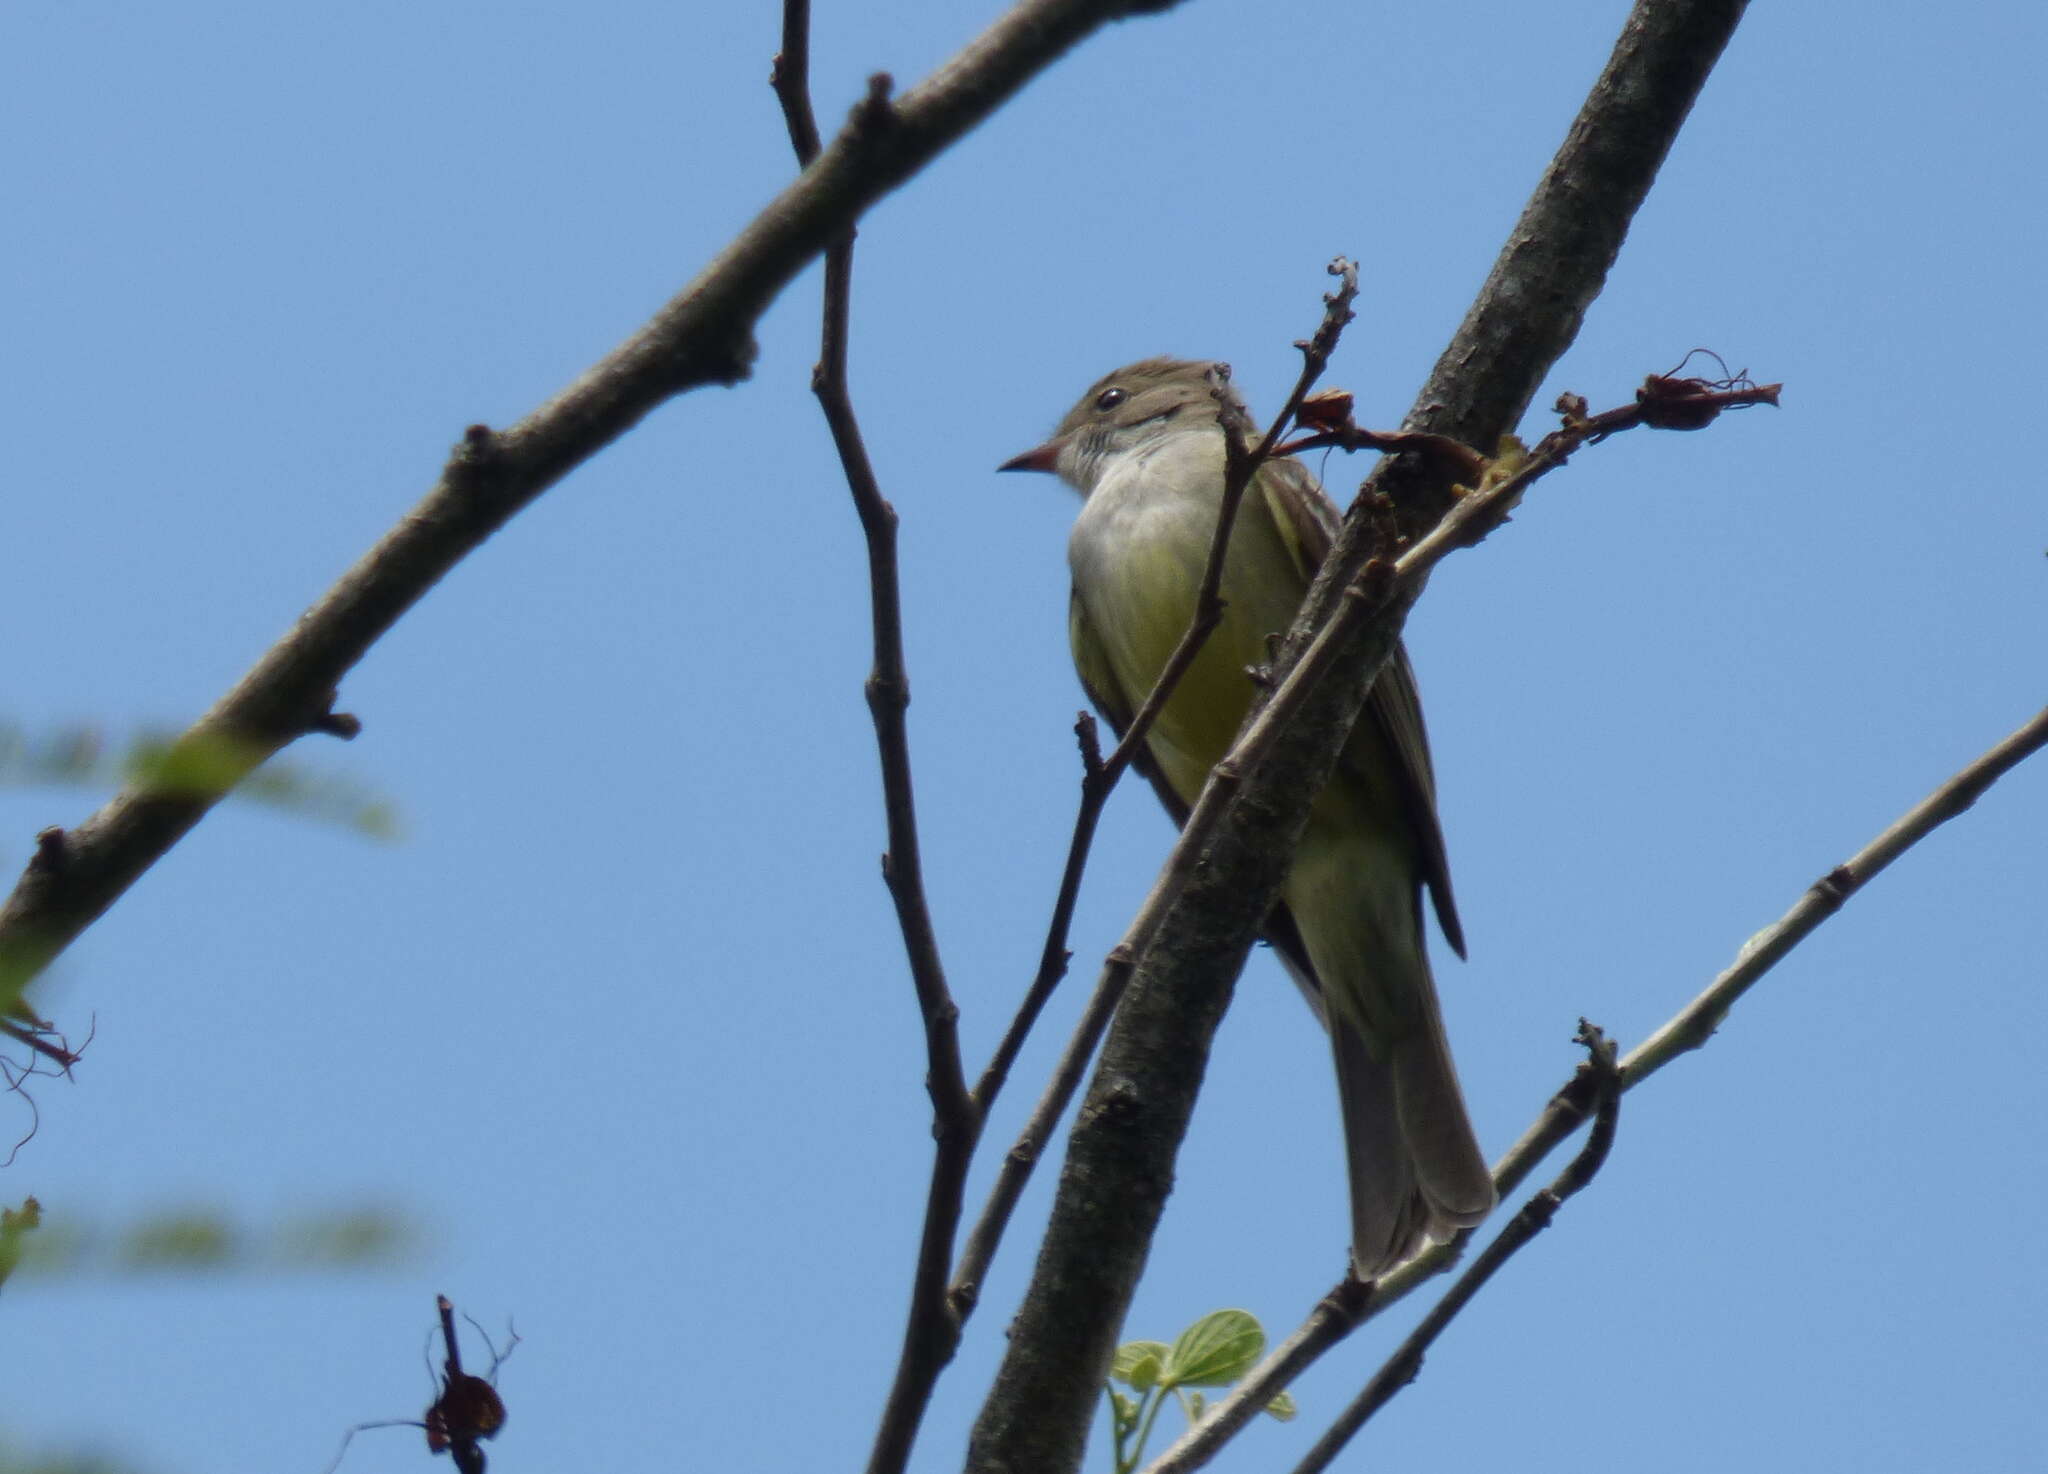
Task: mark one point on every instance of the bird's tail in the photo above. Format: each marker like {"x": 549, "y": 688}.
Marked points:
{"x": 1416, "y": 1172}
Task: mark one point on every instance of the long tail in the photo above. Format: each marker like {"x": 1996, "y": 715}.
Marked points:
{"x": 1416, "y": 1171}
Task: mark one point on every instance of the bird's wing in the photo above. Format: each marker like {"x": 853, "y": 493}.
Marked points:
{"x": 1118, "y": 707}
{"x": 1308, "y": 521}
{"x": 1107, "y": 696}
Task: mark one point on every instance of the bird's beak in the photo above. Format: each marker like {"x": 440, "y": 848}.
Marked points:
{"x": 1041, "y": 458}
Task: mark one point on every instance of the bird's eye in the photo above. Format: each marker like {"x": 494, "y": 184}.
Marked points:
{"x": 1110, "y": 398}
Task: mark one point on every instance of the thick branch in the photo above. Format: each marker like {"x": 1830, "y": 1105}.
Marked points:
{"x": 1121, "y": 1153}
{"x": 704, "y": 336}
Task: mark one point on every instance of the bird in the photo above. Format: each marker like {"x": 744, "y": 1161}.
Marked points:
{"x": 1145, "y": 448}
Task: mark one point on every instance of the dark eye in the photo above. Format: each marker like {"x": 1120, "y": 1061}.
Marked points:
{"x": 1110, "y": 398}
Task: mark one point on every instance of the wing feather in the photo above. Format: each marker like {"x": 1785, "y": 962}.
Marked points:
{"x": 1308, "y": 520}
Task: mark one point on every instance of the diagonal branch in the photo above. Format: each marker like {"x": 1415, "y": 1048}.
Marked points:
{"x": 1121, "y": 1153}
{"x": 1336, "y": 1316}
{"x": 1405, "y": 1364}
{"x": 1694, "y": 1024}
{"x": 703, "y": 336}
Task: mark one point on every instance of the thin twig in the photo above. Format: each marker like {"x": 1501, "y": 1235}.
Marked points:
{"x": 888, "y": 686}
{"x": 1024, "y": 1153}
{"x": 1097, "y": 782}
{"x": 1405, "y": 1364}
{"x": 931, "y": 1330}
{"x": 703, "y": 336}
{"x": 791, "y": 79}
{"x": 1691, "y": 1027}
{"x": 1694, "y": 1024}
{"x": 1352, "y": 1303}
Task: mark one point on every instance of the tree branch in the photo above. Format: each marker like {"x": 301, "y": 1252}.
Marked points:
{"x": 931, "y": 1332}
{"x": 1402, "y": 1368}
{"x": 1120, "y": 1157}
{"x": 703, "y": 336}
{"x": 1694, "y": 1024}
{"x": 1691, "y": 1027}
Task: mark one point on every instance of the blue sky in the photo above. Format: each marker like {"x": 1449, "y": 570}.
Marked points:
{"x": 621, "y": 1022}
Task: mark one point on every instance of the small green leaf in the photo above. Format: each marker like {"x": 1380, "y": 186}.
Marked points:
{"x": 1196, "y": 1402}
{"x": 182, "y": 1240}
{"x": 1282, "y": 1407}
{"x": 1123, "y": 1410}
{"x": 1215, "y": 1351}
{"x": 1137, "y": 1364}
{"x": 16, "y": 1224}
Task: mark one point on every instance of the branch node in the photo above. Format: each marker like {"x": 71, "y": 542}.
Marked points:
{"x": 1374, "y": 584}
{"x": 1090, "y": 739}
{"x": 52, "y": 850}
{"x": 475, "y": 459}
{"x": 1834, "y": 888}
{"x": 345, "y": 725}
{"x": 1350, "y": 1300}
{"x": 874, "y": 114}
{"x": 961, "y": 1300}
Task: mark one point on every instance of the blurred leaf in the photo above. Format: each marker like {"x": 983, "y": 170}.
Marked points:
{"x": 15, "y": 1225}
{"x": 13, "y": 1462}
{"x": 82, "y": 757}
{"x": 1215, "y": 1351}
{"x": 1282, "y": 1407}
{"x": 180, "y": 1241}
{"x": 201, "y": 1240}
{"x": 365, "y": 1237}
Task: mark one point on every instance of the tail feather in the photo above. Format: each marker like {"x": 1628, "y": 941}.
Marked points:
{"x": 1389, "y": 1214}
{"x": 1415, "y": 1169}
{"x": 1416, "y": 1172}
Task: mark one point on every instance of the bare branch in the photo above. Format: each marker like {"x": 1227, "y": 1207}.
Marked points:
{"x": 703, "y": 336}
{"x": 1694, "y": 1024}
{"x": 1570, "y": 1107}
{"x": 1405, "y": 1364}
{"x": 931, "y": 1331}
{"x": 1025, "y": 1152}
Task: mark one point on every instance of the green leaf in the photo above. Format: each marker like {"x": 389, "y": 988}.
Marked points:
{"x": 1282, "y": 1407}
{"x": 205, "y": 767}
{"x": 15, "y": 1225}
{"x": 1215, "y": 1351}
{"x": 1137, "y": 1364}
{"x": 194, "y": 1240}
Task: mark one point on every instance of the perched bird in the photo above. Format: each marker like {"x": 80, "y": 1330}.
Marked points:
{"x": 1145, "y": 449}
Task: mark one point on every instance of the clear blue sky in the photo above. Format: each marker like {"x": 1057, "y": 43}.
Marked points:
{"x": 622, "y": 1022}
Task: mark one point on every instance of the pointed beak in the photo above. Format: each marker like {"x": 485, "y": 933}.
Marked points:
{"x": 1041, "y": 458}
